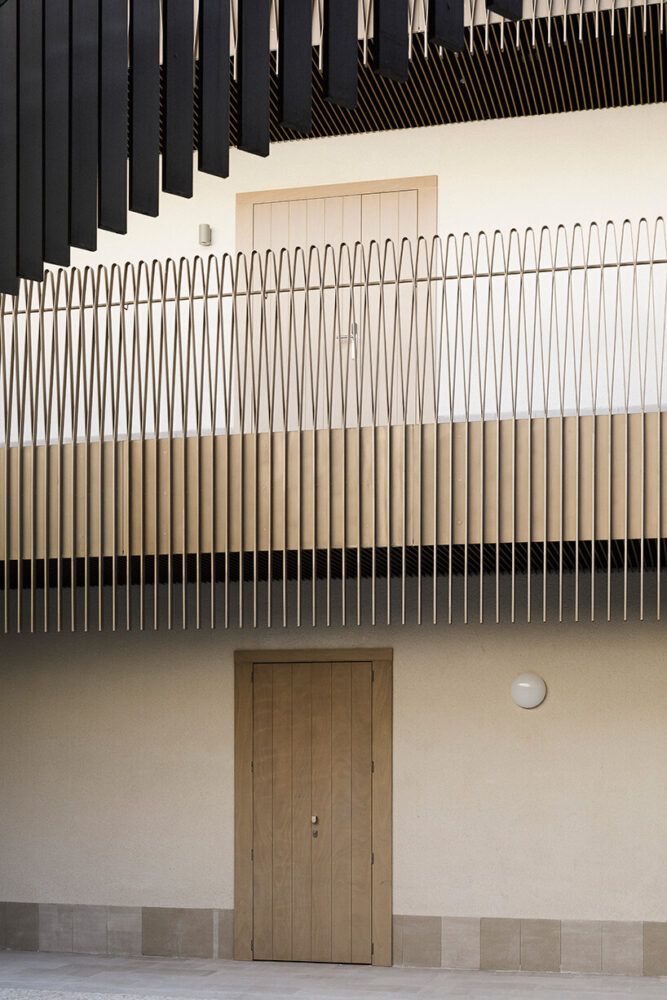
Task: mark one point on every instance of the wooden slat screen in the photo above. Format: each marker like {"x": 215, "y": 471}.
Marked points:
{"x": 426, "y": 430}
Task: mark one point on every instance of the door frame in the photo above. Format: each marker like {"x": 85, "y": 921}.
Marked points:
{"x": 381, "y": 661}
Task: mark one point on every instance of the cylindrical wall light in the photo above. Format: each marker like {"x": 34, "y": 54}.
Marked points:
{"x": 528, "y": 690}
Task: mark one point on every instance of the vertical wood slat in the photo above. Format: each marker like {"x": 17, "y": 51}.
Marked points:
{"x": 178, "y": 58}
{"x": 382, "y": 812}
{"x": 302, "y": 812}
{"x": 113, "y": 116}
{"x": 30, "y": 140}
{"x": 56, "y": 132}
{"x": 322, "y": 844}
{"x": 341, "y": 811}
{"x": 214, "y": 83}
{"x": 391, "y": 38}
{"x": 361, "y": 845}
{"x": 283, "y": 850}
{"x": 8, "y": 137}
{"x": 446, "y": 24}
{"x": 340, "y": 52}
{"x": 262, "y": 835}
{"x": 145, "y": 107}
{"x": 243, "y": 799}
{"x": 254, "y": 76}
{"x": 295, "y": 45}
{"x": 84, "y": 135}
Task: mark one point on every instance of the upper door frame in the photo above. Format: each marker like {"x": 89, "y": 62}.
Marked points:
{"x": 427, "y": 188}
{"x": 382, "y": 787}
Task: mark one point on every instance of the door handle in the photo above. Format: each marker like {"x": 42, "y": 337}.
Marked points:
{"x": 314, "y": 820}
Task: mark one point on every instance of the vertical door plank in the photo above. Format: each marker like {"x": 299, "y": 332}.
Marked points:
{"x": 8, "y": 138}
{"x": 370, "y": 218}
{"x": 391, "y": 38}
{"x": 84, "y": 136}
{"x": 446, "y": 25}
{"x": 352, "y": 219}
{"x": 315, "y": 217}
{"x": 340, "y": 51}
{"x": 361, "y": 814}
{"x": 261, "y": 237}
{"x": 389, "y": 221}
{"x": 298, "y": 225}
{"x": 214, "y": 67}
{"x": 408, "y": 215}
{"x": 333, "y": 221}
{"x": 296, "y": 54}
{"x": 243, "y": 823}
{"x": 113, "y": 115}
{"x": 302, "y": 810}
{"x": 282, "y": 812}
{"x": 427, "y": 211}
{"x": 322, "y": 889}
{"x": 56, "y": 132}
{"x": 382, "y": 811}
{"x": 279, "y": 227}
{"x": 263, "y": 811}
{"x": 145, "y": 107}
{"x": 341, "y": 811}
{"x": 254, "y": 76}
{"x": 178, "y": 41}
{"x": 30, "y": 141}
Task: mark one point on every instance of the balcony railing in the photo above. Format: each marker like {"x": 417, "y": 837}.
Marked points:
{"x": 464, "y": 428}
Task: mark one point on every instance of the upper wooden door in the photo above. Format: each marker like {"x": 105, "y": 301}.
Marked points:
{"x": 335, "y": 214}
{"x": 314, "y": 811}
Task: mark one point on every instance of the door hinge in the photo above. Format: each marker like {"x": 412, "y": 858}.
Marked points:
{"x": 372, "y": 948}
{"x": 372, "y": 857}
{"x": 252, "y": 947}
{"x": 372, "y": 767}
{"x": 252, "y": 855}
{"x": 252, "y": 766}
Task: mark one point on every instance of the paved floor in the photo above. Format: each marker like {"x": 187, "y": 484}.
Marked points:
{"x": 31, "y": 976}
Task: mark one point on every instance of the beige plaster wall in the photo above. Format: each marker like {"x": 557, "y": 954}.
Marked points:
{"x": 116, "y": 763}
{"x": 578, "y": 167}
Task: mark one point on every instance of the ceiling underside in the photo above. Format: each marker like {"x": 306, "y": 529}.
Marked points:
{"x": 612, "y": 64}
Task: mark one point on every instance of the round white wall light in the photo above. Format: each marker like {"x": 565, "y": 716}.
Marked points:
{"x": 528, "y": 690}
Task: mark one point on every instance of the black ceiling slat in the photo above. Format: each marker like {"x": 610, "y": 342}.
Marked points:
{"x": 446, "y": 25}
{"x": 214, "y": 74}
{"x": 145, "y": 107}
{"x": 30, "y": 140}
{"x": 390, "y": 38}
{"x": 295, "y": 78}
{"x": 254, "y": 73}
{"x": 178, "y": 41}
{"x": 84, "y": 127}
{"x": 56, "y": 132}
{"x": 113, "y": 116}
{"x": 340, "y": 51}
{"x": 8, "y": 137}
{"x": 510, "y": 9}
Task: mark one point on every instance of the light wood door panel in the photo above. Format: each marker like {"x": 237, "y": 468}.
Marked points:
{"x": 312, "y": 807}
{"x": 263, "y": 811}
{"x": 335, "y": 214}
{"x": 302, "y": 814}
{"x": 321, "y": 808}
{"x": 362, "y": 845}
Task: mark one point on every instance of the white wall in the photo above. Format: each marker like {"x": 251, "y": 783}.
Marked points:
{"x": 116, "y": 768}
{"x": 579, "y": 167}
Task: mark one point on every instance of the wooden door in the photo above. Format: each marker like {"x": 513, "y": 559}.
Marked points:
{"x": 335, "y": 214}
{"x": 311, "y": 836}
